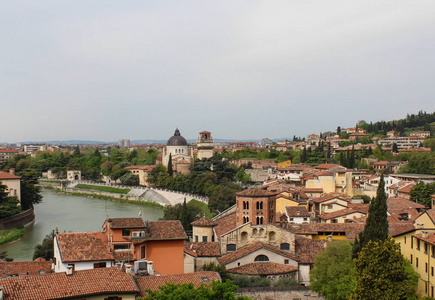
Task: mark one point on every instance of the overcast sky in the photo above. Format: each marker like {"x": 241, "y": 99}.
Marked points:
{"x": 105, "y": 70}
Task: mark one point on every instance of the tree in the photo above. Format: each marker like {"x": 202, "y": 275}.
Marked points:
{"x": 170, "y": 171}
{"x": 395, "y": 149}
{"x": 376, "y": 227}
{"x": 422, "y": 192}
{"x": 129, "y": 179}
{"x": 383, "y": 273}
{"x": 216, "y": 290}
{"x": 333, "y": 273}
{"x": 225, "y": 275}
{"x": 30, "y": 191}
{"x": 185, "y": 212}
{"x": 45, "y": 249}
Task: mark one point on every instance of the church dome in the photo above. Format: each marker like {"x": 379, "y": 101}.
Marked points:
{"x": 177, "y": 139}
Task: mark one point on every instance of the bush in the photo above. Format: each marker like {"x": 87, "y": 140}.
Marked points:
{"x": 285, "y": 281}
{"x": 250, "y": 281}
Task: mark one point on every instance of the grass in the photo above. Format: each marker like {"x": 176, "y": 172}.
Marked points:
{"x": 49, "y": 181}
{"x": 107, "y": 189}
{"x": 204, "y": 208}
{"x": 7, "y": 236}
{"x": 144, "y": 203}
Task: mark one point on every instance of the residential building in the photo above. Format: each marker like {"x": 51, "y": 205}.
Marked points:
{"x": 424, "y": 134}
{"x": 402, "y": 143}
{"x": 12, "y": 182}
{"x": 6, "y": 154}
{"x": 143, "y": 172}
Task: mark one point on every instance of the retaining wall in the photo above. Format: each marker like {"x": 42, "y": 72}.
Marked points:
{"x": 23, "y": 218}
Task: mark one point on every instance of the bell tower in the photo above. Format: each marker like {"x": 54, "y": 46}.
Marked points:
{"x": 205, "y": 145}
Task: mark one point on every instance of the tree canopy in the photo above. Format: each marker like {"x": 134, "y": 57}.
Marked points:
{"x": 383, "y": 273}
{"x": 332, "y": 275}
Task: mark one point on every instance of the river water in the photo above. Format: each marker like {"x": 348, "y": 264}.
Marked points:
{"x": 75, "y": 214}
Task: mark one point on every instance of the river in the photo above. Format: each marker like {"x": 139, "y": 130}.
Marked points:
{"x": 75, "y": 214}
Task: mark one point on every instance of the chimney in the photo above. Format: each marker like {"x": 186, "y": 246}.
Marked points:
{"x": 12, "y": 171}
{"x": 128, "y": 269}
{"x": 69, "y": 270}
{"x": 425, "y": 234}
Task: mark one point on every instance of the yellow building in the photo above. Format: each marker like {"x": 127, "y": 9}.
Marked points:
{"x": 284, "y": 164}
{"x": 12, "y": 182}
{"x": 418, "y": 246}
{"x": 283, "y": 200}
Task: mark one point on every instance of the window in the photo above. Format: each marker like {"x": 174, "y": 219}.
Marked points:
{"x": 329, "y": 206}
{"x": 126, "y": 232}
{"x": 272, "y": 236}
{"x": 418, "y": 244}
{"x": 244, "y": 236}
{"x": 99, "y": 265}
{"x": 204, "y": 239}
{"x": 433, "y": 250}
{"x": 121, "y": 247}
{"x": 411, "y": 259}
{"x": 425, "y": 268}
{"x": 231, "y": 247}
{"x": 412, "y": 243}
{"x": 196, "y": 239}
{"x": 286, "y": 261}
{"x": 431, "y": 271}
{"x": 261, "y": 258}
{"x": 305, "y": 219}
{"x": 405, "y": 240}
{"x": 285, "y": 246}
{"x": 416, "y": 262}
{"x": 426, "y": 246}
{"x": 143, "y": 252}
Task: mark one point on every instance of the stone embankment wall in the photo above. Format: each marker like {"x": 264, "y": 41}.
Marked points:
{"x": 23, "y": 218}
{"x": 279, "y": 293}
{"x": 101, "y": 193}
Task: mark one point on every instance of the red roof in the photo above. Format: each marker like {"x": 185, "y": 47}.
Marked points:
{"x": 101, "y": 281}
{"x": 255, "y": 192}
{"x": 21, "y": 268}
{"x": 263, "y": 268}
{"x": 204, "y": 222}
{"x": 6, "y": 175}
{"x": 203, "y": 249}
{"x": 119, "y": 223}
{"x": 84, "y": 246}
{"x": 225, "y": 224}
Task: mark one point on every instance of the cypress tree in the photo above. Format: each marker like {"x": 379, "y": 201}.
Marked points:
{"x": 170, "y": 171}
{"x": 395, "y": 150}
{"x": 376, "y": 227}
{"x": 342, "y": 159}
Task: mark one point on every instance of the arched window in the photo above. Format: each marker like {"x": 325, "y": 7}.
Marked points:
{"x": 261, "y": 258}
{"x": 231, "y": 247}
{"x": 261, "y": 205}
{"x": 244, "y": 236}
{"x": 285, "y": 246}
{"x": 254, "y": 231}
{"x": 247, "y": 204}
{"x": 258, "y": 205}
{"x": 272, "y": 236}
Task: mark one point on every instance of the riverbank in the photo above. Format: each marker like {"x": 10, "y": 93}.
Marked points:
{"x": 103, "y": 196}
{"x": 10, "y": 235}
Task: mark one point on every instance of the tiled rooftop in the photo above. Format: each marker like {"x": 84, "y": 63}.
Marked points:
{"x": 297, "y": 211}
{"x": 232, "y": 256}
{"x": 225, "y": 224}
{"x": 21, "y": 268}
{"x": 116, "y": 223}
{"x": 263, "y": 268}
{"x": 204, "y": 222}
{"x": 255, "y": 192}
{"x": 307, "y": 249}
{"x": 204, "y": 249}
{"x": 100, "y": 281}
{"x": 6, "y": 175}
{"x": 165, "y": 230}
{"x": 84, "y": 246}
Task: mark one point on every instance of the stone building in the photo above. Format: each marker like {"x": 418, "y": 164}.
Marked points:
{"x": 178, "y": 149}
{"x": 256, "y": 206}
{"x": 205, "y": 145}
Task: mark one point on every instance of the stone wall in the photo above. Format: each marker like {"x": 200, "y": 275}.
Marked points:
{"x": 279, "y": 293}
{"x": 23, "y": 218}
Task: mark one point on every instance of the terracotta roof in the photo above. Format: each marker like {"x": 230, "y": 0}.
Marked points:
{"x": 312, "y": 190}
{"x": 124, "y": 256}
{"x": 330, "y": 196}
{"x": 190, "y": 252}
{"x": 6, "y": 175}
{"x": 204, "y": 249}
{"x": 263, "y": 268}
{"x": 325, "y": 166}
{"x": 403, "y": 204}
{"x": 154, "y": 282}
{"x": 297, "y": 211}
{"x": 307, "y": 249}
{"x": 255, "y": 192}
{"x": 351, "y": 229}
{"x": 395, "y": 229}
{"x": 83, "y": 246}
{"x": 232, "y": 256}
{"x": 430, "y": 239}
{"x": 21, "y": 268}
{"x": 165, "y": 230}
{"x": 338, "y": 213}
{"x": 407, "y": 188}
{"x": 225, "y": 224}
{"x": 204, "y": 222}
{"x": 324, "y": 173}
{"x": 126, "y": 223}
{"x": 99, "y": 281}
{"x": 8, "y": 151}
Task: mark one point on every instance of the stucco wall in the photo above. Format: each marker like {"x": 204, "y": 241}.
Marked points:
{"x": 273, "y": 257}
